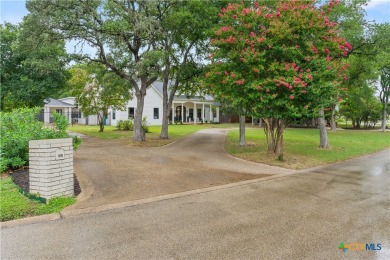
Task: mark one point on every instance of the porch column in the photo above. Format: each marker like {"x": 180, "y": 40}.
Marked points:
{"x": 46, "y": 115}
{"x": 195, "y": 113}
{"x": 182, "y": 113}
{"x": 173, "y": 113}
{"x": 68, "y": 112}
{"x": 218, "y": 115}
{"x": 203, "y": 113}
{"x": 211, "y": 115}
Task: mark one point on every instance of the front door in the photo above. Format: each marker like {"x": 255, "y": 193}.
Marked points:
{"x": 191, "y": 114}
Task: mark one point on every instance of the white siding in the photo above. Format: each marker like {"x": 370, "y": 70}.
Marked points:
{"x": 152, "y": 100}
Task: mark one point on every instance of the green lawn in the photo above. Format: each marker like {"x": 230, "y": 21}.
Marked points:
{"x": 301, "y": 146}
{"x": 152, "y": 139}
{"x": 14, "y": 205}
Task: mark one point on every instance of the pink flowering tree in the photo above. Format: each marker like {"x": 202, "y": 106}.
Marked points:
{"x": 277, "y": 63}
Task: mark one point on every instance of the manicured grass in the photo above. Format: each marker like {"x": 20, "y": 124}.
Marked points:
{"x": 301, "y": 146}
{"x": 14, "y": 205}
{"x": 152, "y": 139}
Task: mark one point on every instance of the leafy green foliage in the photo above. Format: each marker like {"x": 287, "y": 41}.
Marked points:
{"x": 277, "y": 62}
{"x": 18, "y": 128}
{"x": 125, "y": 125}
{"x": 14, "y": 205}
{"x": 32, "y": 66}
{"x": 97, "y": 89}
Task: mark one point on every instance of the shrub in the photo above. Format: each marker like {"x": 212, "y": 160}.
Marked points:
{"x": 125, "y": 125}
{"x": 20, "y": 126}
{"x": 145, "y": 126}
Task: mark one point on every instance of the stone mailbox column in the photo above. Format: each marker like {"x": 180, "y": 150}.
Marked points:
{"x": 51, "y": 167}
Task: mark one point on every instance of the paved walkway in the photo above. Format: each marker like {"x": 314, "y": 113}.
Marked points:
{"x": 110, "y": 172}
{"x": 299, "y": 216}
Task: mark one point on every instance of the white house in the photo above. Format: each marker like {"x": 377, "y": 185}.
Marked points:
{"x": 57, "y": 105}
{"x": 184, "y": 109}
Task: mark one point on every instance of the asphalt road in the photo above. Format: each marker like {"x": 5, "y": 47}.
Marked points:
{"x": 301, "y": 216}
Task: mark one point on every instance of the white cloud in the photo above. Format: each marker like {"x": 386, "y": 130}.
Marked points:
{"x": 377, "y": 3}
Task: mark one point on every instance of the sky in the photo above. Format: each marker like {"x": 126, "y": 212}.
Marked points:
{"x": 13, "y": 11}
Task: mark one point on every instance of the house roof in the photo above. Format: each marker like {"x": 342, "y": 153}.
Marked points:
{"x": 51, "y": 102}
{"x": 158, "y": 85}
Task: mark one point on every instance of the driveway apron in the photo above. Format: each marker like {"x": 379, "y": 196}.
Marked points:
{"x": 111, "y": 172}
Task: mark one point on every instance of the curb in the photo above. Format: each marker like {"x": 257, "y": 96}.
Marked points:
{"x": 30, "y": 220}
{"x": 127, "y": 204}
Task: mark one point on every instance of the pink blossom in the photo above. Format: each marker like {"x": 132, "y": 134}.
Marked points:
{"x": 234, "y": 16}
{"x": 267, "y": 90}
{"x": 303, "y": 91}
{"x": 309, "y": 76}
{"x": 256, "y": 70}
{"x": 348, "y": 45}
{"x": 240, "y": 82}
{"x": 296, "y": 46}
{"x": 226, "y": 73}
{"x": 292, "y": 97}
{"x": 258, "y": 87}
{"x": 232, "y": 75}
{"x": 252, "y": 34}
{"x": 326, "y": 50}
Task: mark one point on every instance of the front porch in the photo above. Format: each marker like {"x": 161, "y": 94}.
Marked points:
{"x": 194, "y": 112}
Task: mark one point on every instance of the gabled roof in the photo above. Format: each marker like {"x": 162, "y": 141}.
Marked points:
{"x": 51, "y": 102}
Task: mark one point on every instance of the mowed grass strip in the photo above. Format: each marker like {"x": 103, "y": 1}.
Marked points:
{"x": 301, "y": 146}
{"x": 152, "y": 139}
{"x": 13, "y": 205}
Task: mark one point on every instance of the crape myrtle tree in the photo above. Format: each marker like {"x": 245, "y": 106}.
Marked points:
{"x": 279, "y": 62}
{"x": 123, "y": 33}
{"x": 97, "y": 89}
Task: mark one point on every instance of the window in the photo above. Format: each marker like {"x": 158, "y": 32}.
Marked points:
{"x": 131, "y": 112}
{"x": 155, "y": 113}
{"x": 113, "y": 114}
{"x": 59, "y": 111}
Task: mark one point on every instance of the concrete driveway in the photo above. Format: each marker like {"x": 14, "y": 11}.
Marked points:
{"x": 300, "y": 216}
{"x": 110, "y": 172}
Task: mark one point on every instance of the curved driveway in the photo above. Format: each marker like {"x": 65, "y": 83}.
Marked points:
{"x": 110, "y": 172}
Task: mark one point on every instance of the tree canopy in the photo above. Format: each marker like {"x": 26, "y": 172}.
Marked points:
{"x": 279, "y": 62}
{"x": 33, "y": 66}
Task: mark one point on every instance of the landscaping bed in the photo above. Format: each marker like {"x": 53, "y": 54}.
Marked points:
{"x": 21, "y": 178}
{"x": 15, "y": 205}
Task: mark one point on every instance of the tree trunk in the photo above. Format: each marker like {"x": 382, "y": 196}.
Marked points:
{"x": 260, "y": 122}
{"x": 139, "y": 134}
{"x": 100, "y": 122}
{"x": 166, "y": 110}
{"x": 322, "y": 126}
{"x": 273, "y": 129}
{"x": 333, "y": 119}
{"x": 242, "y": 130}
{"x": 384, "y": 118}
